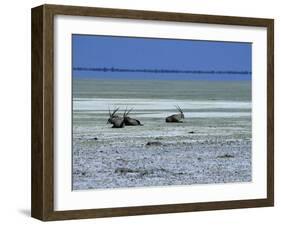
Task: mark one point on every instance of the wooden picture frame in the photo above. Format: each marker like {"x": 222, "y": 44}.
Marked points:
{"x": 42, "y": 204}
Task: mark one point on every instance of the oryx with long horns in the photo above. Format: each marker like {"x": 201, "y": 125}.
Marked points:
{"x": 176, "y": 117}
{"x": 131, "y": 121}
{"x": 115, "y": 120}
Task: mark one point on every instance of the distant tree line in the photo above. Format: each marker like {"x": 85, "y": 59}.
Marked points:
{"x": 113, "y": 69}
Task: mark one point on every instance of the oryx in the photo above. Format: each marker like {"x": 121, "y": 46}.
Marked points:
{"x": 176, "y": 117}
{"x": 115, "y": 120}
{"x": 131, "y": 121}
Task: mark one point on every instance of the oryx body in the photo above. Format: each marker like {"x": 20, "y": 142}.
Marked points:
{"x": 176, "y": 117}
{"x": 132, "y": 122}
{"x": 118, "y": 123}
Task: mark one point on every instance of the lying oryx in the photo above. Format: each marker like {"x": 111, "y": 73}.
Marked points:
{"x": 115, "y": 120}
{"x": 176, "y": 117}
{"x": 131, "y": 121}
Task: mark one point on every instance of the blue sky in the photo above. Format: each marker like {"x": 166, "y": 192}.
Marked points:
{"x": 92, "y": 51}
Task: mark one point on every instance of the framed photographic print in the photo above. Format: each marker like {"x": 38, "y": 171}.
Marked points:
{"x": 141, "y": 112}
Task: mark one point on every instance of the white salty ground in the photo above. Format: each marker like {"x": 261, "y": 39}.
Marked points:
{"x": 186, "y": 153}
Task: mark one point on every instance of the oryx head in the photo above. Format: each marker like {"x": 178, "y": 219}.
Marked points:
{"x": 126, "y": 113}
{"x": 180, "y": 110}
{"x": 112, "y": 115}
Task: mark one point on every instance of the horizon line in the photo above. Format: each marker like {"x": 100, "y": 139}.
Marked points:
{"x": 153, "y": 70}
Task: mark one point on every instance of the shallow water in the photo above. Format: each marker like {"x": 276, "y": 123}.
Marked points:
{"x": 212, "y": 145}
